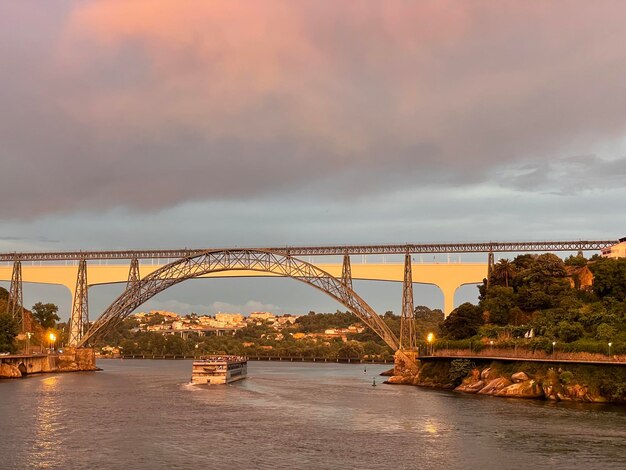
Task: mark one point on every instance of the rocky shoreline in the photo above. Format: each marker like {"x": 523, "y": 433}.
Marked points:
{"x": 71, "y": 360}
{"x": 576, "y": 383}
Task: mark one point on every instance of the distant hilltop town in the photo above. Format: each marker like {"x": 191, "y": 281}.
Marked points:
{"x": 165, "y": 322}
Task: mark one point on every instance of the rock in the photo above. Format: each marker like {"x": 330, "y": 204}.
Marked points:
{"x": 526, "y": 389}
{"x": 551, "y": 385}
{"x": 486, "y": 374}
{"x": 470, "y": 386}
{"x": 519, "y": 377}
{"x": 400, "y": 380}
{"x": 494, "y": 386}
{"x": 9, "y": 371}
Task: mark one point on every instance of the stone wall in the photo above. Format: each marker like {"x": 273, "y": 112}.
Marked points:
{"x": 72, "y": 359}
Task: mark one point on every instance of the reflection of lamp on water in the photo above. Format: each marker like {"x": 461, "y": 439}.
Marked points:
{"x": 431, "y": 339}
{"x": 52, "y": 338}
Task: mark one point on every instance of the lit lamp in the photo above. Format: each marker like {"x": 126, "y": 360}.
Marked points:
{"x": 553, "y": 345}
{"x": 28, "y": 336}
{"x": 431, "y": 339}
{"x": 52, "y": 338}
{"x": 610, "y": 344}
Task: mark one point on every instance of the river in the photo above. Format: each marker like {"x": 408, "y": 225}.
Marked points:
{"x": 142, "y": 414}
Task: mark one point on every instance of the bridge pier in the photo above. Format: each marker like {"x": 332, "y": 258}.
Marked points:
{"x": 346, "y": 271}
{"x": 406, "y": 367}
{"x": 408, "y": 339}
{"x": 79, "y": 319}
{"x": 16, "y": 295}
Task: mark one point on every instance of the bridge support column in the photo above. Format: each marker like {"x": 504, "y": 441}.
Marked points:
{"x": 448, "y": 297}
{"x": 16, "y": 295}
{"x": 407, "y": 320}
{"x": 346, "y": 271}
{"x": 79, "y": 320}
{"x": 133, "y": 273}
{"x": 491, "y": 262}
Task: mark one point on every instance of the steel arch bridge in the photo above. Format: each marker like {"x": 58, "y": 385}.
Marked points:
{"x": 140, "y": 290}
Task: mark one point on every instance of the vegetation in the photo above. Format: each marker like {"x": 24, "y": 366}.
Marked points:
{"x": 8, "y": 332}
{"x": 305, "y": 338}
{"x": 46, "y": 314}
{"x": 535, "y": 300}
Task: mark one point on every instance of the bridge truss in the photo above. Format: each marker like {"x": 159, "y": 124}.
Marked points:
{"x": 139, "y": 291}
{"x": 401, "y": 249}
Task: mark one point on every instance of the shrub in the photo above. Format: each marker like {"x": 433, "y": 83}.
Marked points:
{"x": 459, "y": 369}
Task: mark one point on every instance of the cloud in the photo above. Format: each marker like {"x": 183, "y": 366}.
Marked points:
{"x": 567, "y": 176}
{"x": 142, "y": 106}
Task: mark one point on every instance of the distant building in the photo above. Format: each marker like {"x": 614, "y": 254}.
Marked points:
{"x": 229, "y": 318}
{"x": 262, "y": 316}
{"x": 615, "y": 251}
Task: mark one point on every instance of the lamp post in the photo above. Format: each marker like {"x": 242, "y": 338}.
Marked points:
{"x": 553, "y": 346}
{"x": 431, "y": 338}
{"x": 28, "y": 336}
{"x": 610, "y": 344}
{"x": 52, "y": 337}
{"x": 491, "y": 346}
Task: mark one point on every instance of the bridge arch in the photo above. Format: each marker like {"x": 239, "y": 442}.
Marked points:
{"x": 236, "y": 260}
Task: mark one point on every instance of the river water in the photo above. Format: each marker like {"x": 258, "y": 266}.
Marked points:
{"x": 142, "y": 414}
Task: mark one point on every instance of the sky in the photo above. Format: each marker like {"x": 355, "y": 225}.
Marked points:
{"x": 140, "y": 124}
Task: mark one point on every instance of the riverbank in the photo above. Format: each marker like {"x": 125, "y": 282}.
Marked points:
{"x": 70, "y": 360}
{"x": 556, "y": 381}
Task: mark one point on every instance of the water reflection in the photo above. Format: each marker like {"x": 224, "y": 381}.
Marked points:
{"x": 48, "y": 442}
{"x": 142, "y": 415}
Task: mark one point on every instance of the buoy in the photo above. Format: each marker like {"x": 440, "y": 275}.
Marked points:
{"x": 374, "y": 382}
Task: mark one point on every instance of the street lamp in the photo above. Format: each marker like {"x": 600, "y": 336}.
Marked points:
{"x": 610, "y": 344}
{"x": 430, "y": 338}
{"x": 553, "y": 345}
{"x": 28, "y": 336}
{"x": 52, "y": 338}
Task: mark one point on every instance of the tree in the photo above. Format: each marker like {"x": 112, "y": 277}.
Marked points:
{"x": 503, "y": 270}
{"x": 46, "y": 314}
{"x": 609, "y": 278}
{"x": 8, "y": 331}
{"x": 569, "y": 332}
{"x": 464, "y": 321}
{"x": 499, "y": 303}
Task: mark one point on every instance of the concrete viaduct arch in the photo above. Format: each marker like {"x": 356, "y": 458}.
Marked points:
{"x": 208, "y": 262}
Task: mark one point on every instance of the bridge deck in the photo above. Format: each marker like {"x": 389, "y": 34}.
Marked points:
{"x": 413, "y": 248}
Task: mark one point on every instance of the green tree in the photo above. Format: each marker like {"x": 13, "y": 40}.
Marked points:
{"x": 609, "y": 278}
{"x": 499, "y": 303}
{"x": 503, "y": 271}
{"x": 46, "y": 314}
{"x": 605, "y": 331}
{"x": 464, "y": 321}
{"x": 569, "y": 332}
{"x": 576, "y": 261}
{"x": 8, "y": 331}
